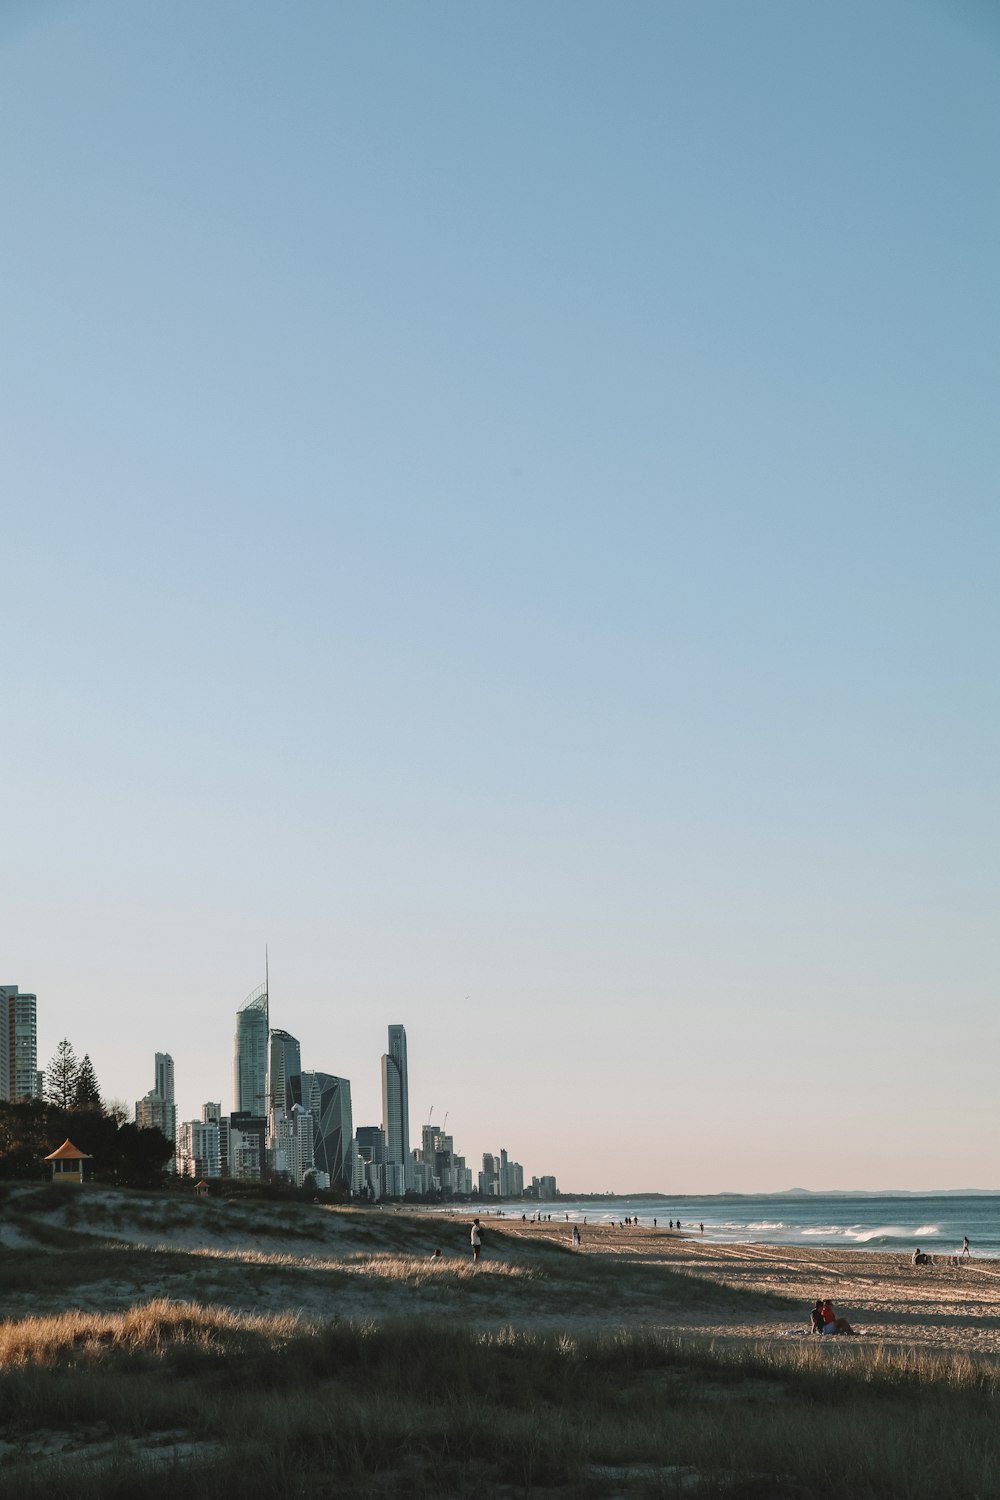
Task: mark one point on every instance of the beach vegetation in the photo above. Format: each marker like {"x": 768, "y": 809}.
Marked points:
{"x": 190, "y": 1364}
{"x": 188, "y": 1399}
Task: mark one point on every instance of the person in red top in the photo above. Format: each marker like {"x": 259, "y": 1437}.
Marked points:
{"x": 831, "y": 1323}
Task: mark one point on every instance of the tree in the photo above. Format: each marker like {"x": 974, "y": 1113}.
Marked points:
{"x": 61, "y": 1076}
{"x": 86, "y": 1094}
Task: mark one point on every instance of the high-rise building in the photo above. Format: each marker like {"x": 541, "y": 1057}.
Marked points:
{"x": 163, "y": 1083}
{"x": 371, "y": 1143}
{"x": 396, "y": 1098}
{"x": 250, "y": 1092}
{"x": 500, "y": 1177}
{"x": 19, "y": 1077}
{"x": 198, "y": 1149}
{"x": 211, "y": 1114}
{"x": 154, "y": 1113}
{"x": 544, "y": 1188}
{"x": 164, "y": 1115}
{"x": 247, "y": 1148}
{"x": 285, "y": 1060}
{"x": 328, "y": 1100}
{"x": 295, "y": 1145}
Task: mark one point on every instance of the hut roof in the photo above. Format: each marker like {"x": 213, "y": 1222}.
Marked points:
{"x": 202, "y": 1183}
{"x": 68, "y": 1152}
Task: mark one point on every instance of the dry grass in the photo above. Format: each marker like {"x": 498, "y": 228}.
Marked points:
{"x": 279, "y": 1407}
{"x": 150, "y": 1327}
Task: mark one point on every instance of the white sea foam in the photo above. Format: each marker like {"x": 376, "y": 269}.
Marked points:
{"x": 892, "y": 1232}
{"x": 766, "y": 1224}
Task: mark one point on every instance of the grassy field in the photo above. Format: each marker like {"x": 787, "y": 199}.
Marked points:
{"x": 489, "y": 1386}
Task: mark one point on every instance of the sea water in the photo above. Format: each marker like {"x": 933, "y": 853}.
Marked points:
{"x": 935, "y": 1223}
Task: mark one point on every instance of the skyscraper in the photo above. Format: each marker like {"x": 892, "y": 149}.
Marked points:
{"x": 158, "y": 1107}
{"x": 19, "y": 1077}
{"x": 284, "y": 1062}
{"x": 396, "y": 1098}
{"x": 250, "y": 1055}
{"x": 328, "y": 1100}
{"x": 163, "y": 1083}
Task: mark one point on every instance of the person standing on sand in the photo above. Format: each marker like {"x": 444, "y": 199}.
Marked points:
{"x": 965, "y": 1246}
{"x": 476, "y": 1239}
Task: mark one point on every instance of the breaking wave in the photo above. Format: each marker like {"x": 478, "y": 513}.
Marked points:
{"x": 891, "y": 1232}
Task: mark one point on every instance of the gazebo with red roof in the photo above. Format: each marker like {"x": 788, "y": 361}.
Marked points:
{"x": 67, "y": 1163}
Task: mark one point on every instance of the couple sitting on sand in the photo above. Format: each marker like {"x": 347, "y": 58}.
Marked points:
{"x": 825, "y": 1320}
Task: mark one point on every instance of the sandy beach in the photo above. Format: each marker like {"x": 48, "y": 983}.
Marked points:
{"x": 362, "y": 1263}
{"x": 948, "y": 1305}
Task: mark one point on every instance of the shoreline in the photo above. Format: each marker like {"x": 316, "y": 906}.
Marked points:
{"x": 810, "y": 1242}
{"x": 949, "y": 1306}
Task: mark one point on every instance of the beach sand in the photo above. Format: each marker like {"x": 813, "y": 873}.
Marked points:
{"x": 886, "y": 1298}
{"x": 365, "y": 1263}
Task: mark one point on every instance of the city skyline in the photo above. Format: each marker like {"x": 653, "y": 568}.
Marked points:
{"x": 499, "y": 505}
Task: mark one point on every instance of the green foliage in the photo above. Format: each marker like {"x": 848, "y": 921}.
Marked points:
{"x": 121, "y": 1153}
{"x": 86, "y": 1094}
{"x": 61, "y": 1076}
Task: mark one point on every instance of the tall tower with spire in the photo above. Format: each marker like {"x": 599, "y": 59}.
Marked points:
{"x": 250, "y": 1054}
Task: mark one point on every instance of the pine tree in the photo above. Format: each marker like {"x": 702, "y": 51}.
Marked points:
{"x": 61, "y": 1076}
{"x": 86, "y": 1094}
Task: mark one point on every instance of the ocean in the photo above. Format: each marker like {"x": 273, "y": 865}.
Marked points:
{"x": 935, "y": 1223}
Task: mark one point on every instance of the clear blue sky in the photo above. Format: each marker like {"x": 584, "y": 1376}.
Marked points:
{"x": 500, "y": 503}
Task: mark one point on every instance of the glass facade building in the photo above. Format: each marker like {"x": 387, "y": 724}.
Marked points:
{"x": 250, "y": 1055}
{"x": 328, "y": 1099}
{"x": 284, "y": 1062}
{"x": 396, "y": 1098}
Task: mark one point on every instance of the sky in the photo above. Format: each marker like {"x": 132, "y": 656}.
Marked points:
{"x": 499, "y": 504}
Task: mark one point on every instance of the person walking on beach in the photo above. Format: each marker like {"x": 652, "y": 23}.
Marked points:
{"x": 476, "y": 1239}
{"x": 965, "y": 1246}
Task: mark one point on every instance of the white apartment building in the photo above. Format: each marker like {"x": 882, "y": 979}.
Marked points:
{"x": 292, "y": 1147}
{"x": 198, "y": 1149}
